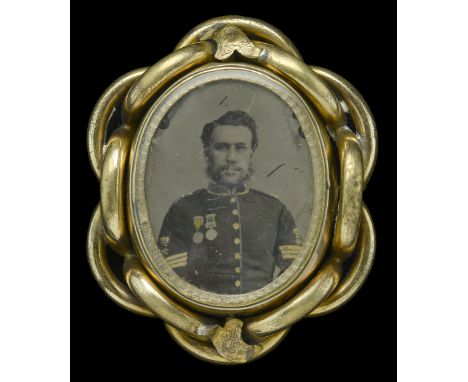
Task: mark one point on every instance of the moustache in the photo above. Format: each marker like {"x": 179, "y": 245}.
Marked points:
{"x": 230, "y": 168}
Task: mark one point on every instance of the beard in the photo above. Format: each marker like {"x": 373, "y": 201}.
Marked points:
{"x": 230, "y": 175}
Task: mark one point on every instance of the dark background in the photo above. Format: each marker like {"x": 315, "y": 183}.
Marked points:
{"x": 355, "y": 41}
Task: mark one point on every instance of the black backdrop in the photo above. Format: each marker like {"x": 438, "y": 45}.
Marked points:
{"x": 356, "y": 41}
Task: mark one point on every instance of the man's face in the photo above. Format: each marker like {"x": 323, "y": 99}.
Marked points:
{"x": 230, "y": 154}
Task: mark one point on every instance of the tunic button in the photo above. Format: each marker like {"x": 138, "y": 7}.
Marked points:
{"x": 236, "y": 226}
{"x": 237, "y": 283}
{"x": 237, "y": 255}
{"x": 235, "y": 212}
{"x": 232, "y": 200}
{"x": 236, "y": 240}
{"x": 237, "y": 269}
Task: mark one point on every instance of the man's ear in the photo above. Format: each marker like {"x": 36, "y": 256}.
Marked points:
{"x": 206, "y": 153}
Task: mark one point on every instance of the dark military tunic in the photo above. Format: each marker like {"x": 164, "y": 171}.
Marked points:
{"x": 229, "y": 243}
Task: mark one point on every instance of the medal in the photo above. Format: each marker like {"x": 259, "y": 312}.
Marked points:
{"x": 197, "y": 236}
{"x": 210, "y": 226}
{"x": 210, "y": 221}
{"x": 211, "y": 234}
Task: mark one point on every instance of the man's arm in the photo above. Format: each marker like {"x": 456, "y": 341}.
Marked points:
{"x": 288, "y": 240}
{"x": 173, "y": 238}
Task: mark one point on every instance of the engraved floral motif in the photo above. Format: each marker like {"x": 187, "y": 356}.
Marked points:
{"x": 230, "y": 39}
{"x": 229, "y": 343}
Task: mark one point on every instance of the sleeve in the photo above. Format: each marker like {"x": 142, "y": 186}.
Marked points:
{"x": 288, "y": 240}
{"x": 172, "y": 240}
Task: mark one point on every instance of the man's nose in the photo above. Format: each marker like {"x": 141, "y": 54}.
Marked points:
{"x": 231, "y": 154}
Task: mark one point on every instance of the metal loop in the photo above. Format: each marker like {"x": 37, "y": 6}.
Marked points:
{"x": 307, "y": 80}
{"x": 361, "y": 114}
{"x": 109, "y": 283}
{"x": 100, "y": 116}
{"x": 158, "y": 75}
{"x": 359, "y": 271}
{"x": 348, "y": 217}
{"x": 112, "y": 189}
{"x": 162, "y": 306}
{"x": 254, "y": 28}
{"x": 319, "y": 288}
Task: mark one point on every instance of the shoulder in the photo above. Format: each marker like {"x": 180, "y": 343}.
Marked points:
{"x": 275, "y": 208}
{"x": 189, "y": 199}
{"x": 263, "y": 194}
{"x": 185, "y": 205}
{"x": 268, "y": 199}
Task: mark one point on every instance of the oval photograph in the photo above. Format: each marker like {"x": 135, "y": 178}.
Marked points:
{"x": 227, "y": 185}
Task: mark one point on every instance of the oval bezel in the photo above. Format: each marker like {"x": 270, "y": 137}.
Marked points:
{"x": 316, "y": 238}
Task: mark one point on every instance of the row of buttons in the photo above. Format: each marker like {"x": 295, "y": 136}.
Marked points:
{"x": 237, "y": 241}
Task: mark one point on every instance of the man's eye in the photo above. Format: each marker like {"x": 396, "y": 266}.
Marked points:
{"x": 221, "y": 147}
{"x": 241, "y": 147}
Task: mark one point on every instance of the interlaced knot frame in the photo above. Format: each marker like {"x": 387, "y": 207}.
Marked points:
{"x": 240, "y": 339}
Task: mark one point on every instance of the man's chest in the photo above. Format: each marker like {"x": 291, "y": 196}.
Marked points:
{"x": 229, "y": 225}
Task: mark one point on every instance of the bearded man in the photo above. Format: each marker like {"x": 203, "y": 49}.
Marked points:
{"x": 229, "y": 238}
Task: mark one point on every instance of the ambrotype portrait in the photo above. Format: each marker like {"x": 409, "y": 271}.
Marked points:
{"x": 228, "y": 187}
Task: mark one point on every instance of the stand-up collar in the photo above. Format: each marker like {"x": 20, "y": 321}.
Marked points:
{"x": 218, "y": 189}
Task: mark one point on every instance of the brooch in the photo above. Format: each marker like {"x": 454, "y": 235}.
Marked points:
{"x": 232, "y": 188}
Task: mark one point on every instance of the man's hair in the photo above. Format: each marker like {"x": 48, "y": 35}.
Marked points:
{"x": 234, "y": 118}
